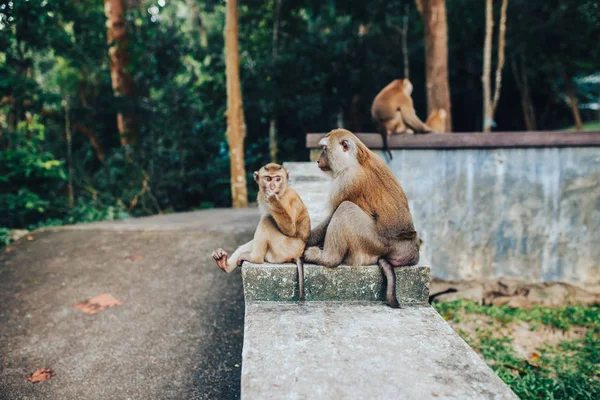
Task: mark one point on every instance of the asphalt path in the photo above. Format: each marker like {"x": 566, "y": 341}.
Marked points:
{"x": 177, "y": 333}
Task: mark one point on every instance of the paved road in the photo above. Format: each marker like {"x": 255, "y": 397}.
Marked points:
{"x": 177, "y": 335}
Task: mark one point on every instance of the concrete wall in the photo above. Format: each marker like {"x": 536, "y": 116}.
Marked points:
{"x": 525, "y": 212}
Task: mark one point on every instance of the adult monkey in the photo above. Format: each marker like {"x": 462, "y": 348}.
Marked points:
{"x": 369, "y": 221}
{"x": 393, "y": 112}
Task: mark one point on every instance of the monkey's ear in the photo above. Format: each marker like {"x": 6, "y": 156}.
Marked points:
{"x": 287, "y": 174}
{"x": 256, "y": 176}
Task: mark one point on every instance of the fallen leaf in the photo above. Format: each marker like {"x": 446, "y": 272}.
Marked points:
{"x": 8, "y": 249}
{"x": 97, "y": 304}
{"x": 534, "y": 359}
{"x": 30, "y": 238}
{"x": 235, "y": 331}
{"x": 41, "y": 375}
{"x": 135, "y": 257}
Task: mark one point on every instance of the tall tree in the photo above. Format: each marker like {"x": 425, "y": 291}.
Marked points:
{"x": 198, "y": 23}
{"x": 436, "y": 56}
{"x": 404, "y": 33}
{"x": 522, "y": 83}
{"x": 489, "y": 103}
{"x": 273, "y": 123}
{"x": 236, "y": 126}
{"x": 572, "y": 99}
{"x": 122, "y": 82}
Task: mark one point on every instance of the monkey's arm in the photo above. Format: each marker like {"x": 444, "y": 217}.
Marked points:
{"x": 411, "y": 119}
{"x": 317, "y": 236}
{"x": 283, "y": 218}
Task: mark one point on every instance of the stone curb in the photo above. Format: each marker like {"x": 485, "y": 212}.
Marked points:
{"x": 278, "y": 282}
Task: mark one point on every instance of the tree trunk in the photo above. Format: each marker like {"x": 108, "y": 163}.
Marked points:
{"x": 69, "y": 155}
{"x": 489, "y": 103}
{"x": 436, "y": 56}
{"x": 572, "y": 100}
{"x": 405, "y": 42}
{"x": 487, "y": 67}
{"x": 122, "y": 82}
{"x": 85, "y": 131}
{"x": 236, "y": 127}
{"x": 273, "y": 124}
{"x": 197, "y": 18}
{"x": 520, "y": 75}
{"x": 501, "y": 46}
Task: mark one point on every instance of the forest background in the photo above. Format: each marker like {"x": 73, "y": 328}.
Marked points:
{"x": 75, "y": 147}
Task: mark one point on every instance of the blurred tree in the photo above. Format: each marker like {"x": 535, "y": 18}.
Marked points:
{"x": 332, "y": 57}
{"x": 273, "y": 123}
{"x": 198, "y": 23}
{"x": 236, "y": 127}
{"x": 489, "y": 103}
{"x": 436, "y": 56}
{"x": 122, "y": 82}
{"x": 522, "y": 81}
{"x": 568, "y": 82}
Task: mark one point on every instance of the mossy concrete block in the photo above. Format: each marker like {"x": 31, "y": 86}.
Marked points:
{"x": 279, "y": 282}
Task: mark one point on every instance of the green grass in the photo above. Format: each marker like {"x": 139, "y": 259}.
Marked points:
{"x": 569, "y": 369}
{"x": 588, "y": 126}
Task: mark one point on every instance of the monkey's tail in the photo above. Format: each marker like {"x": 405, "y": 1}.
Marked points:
{"x": 300, "y": 265}
{"x": 386, "y": 147}
{"x": 390, "y": 275}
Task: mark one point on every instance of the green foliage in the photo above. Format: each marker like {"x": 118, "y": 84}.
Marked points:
{"x": 4, "y": 237}
{"x": 566, "y": 371}
{"x": 55, "y": 72}
{"x": 31, "y": 179}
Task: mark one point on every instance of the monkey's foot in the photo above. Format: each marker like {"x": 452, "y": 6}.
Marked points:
{"x": 312, "y": 254}
{"x": 220, "y": 257}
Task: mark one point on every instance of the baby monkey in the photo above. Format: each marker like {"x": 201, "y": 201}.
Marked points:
{"x": 283, "y": 229}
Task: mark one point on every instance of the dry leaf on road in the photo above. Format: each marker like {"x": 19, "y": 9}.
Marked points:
{"x": 97, "y": 304}
{"x": 41, "y": 375}
{"x": 135, "y": 257}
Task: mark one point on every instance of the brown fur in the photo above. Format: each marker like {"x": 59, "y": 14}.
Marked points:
{"x": 369, "y": 220}
{"x": 283, "y": 230}
{"x": 393, "y": 112}
{"x": 437, "y": 120}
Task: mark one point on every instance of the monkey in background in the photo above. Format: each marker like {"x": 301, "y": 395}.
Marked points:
{"x": 283, "y": 229}
{"x": 369, "y": 220}
{"x": 437, "y": 120}
{"x": 393, "y": 112}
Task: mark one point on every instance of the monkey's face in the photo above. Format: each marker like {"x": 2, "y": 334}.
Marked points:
{"x": 271, "y": 182}
{"x": 338, "y": 154}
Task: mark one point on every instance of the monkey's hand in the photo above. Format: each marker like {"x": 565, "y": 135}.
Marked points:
{"x": 220, "y": 257}
{"x": 272, "y": 197}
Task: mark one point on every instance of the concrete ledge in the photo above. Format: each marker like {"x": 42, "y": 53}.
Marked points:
{"x": 278, "y": 282}
{"x": 464, "y": 140}
{"x": 333, "y": 350}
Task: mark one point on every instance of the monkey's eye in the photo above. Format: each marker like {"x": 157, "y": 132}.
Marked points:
{"x": 278, "y": 179}
{"x": 345, "y": 145}
{"x": 268, "y": 178}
